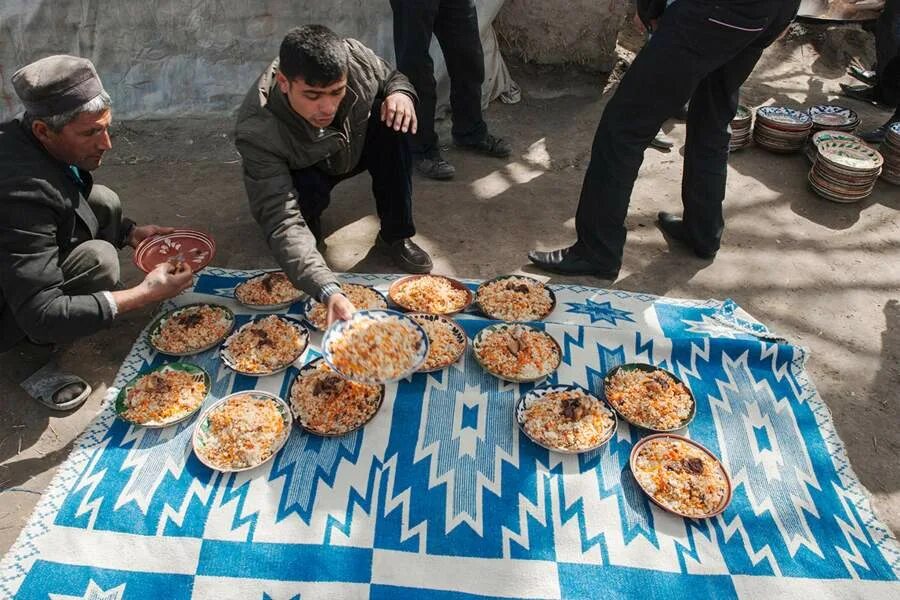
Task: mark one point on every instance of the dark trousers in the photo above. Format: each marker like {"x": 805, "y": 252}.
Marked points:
{"x": 386, "y": 156}
{"x": 887, "y": 51}
{"x": 455, "y": 25}
{"x": 702, "y": 52}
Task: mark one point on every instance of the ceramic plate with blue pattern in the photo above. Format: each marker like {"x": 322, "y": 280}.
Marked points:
{"x": 829, "y": 116}
{"x": 265, "y": 345}
{"x": 515, "y": 298}
{"x": 782, "y": 116}
{"x": 516, "y": 352}
{"x": 190, "y": 329}
{"x": 565, "y": 418}
{"x": 375, "y": 346}
{"x": 267, "y": 291}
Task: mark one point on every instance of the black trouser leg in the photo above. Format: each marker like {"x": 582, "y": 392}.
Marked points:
{"x": 712, "y": 107}
{"x": 695, "y": 38}
{"x": 456, "y": 29}
{"x": 413, "y": 25}
{"x": 313, "y": 190}
{"x": 388, "y": 159}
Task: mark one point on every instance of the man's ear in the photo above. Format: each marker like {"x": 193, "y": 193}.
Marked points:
{"x": 283, "y": 83}
{"x": 40, "y": 130}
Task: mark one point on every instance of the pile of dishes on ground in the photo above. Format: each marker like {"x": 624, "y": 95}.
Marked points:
{"x": 831, "y": 118}
{"x": 781, "y": 129}
{"x": 341, "y": 386}
{"x": 845, "y": 168}
{"x": 890, "y": 150}
{"x": 741, "y": 129}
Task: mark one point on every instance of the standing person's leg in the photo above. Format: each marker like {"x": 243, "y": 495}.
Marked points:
{"x": 413, "y": 25}
{"x": 694, "y": 39}
{"x": 388, "y": 159}
{"x": 456, "y": 29}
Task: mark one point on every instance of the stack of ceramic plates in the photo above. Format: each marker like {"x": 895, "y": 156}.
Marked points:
{"x": 781, "y": 129}
{"x": 845, "y": 170}
{"x": 890, "y": 149}
{"x": 827, "y": 135}
{"x": 740, "y": 129}
{"x": 834, "y": 118}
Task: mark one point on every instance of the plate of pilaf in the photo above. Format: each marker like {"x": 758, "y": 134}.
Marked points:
{"x": 269, "y": 291}
{"x": 363, "y": 297}
{"x": 681, "y": 476}
{"x": 515, "y": 298}
{"x": 163, "y": 396}
{"x": 190, "y": 329}
{"x": 516, "y": 352}
{"x": 324, "y": 403}
{"x": 265, "y": 345}
{"x": 649, "y": 397}
{"x": 242, "y": 431}
{"x": 565, "y": 418}
{"x": 447, "y": 341}
{"x": 433, "y": 294}
{"x": 375, "y": 346}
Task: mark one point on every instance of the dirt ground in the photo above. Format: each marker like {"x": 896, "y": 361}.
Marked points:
{"x": 825, "y": 275}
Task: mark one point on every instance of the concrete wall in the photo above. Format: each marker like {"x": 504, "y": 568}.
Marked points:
{"x": 161, "y": 58}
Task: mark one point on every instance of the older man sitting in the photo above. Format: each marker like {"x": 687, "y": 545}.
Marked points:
{"x": 59, "y": 233}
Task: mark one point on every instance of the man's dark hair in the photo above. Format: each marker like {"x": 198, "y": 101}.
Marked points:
{"x": 314, "y": 53}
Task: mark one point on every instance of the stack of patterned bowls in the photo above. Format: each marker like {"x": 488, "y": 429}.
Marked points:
{"x": 827, "y": 135}
{"x": 831, "y": 118}
{"x": 845, "y": 170}
{"x": 740, "y": 129}
{"x": 890, "y": 149}
{"x": 834, "y": 118}
{"x": 781, "y": 129}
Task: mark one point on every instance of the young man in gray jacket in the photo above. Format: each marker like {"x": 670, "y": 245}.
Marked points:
{"x": 325, "y": 110}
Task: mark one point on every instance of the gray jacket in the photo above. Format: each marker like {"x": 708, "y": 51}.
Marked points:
{"x": 273, "y": 140}
{"x": 44, "y": 214}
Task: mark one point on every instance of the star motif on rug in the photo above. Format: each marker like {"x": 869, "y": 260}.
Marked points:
{"x": 94, "y": 592}
{"x": 599, "y": 311}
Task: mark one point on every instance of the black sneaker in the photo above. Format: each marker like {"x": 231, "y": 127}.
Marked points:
{"x": 490, "y": 145}
{"x": 407, "y": 255}
{"x": 434, "y": 167}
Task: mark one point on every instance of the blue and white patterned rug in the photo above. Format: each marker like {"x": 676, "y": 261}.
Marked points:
{"x": 440, "y": 496}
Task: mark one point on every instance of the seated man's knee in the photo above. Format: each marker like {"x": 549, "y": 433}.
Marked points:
{"x": 103, "y": 197}
{"x": 100, "y": 262}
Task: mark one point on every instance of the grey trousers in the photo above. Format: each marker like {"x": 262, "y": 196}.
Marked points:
{"x": 93, "y": 266}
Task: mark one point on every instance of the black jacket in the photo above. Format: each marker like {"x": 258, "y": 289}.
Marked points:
{"x": 44, "y": 214}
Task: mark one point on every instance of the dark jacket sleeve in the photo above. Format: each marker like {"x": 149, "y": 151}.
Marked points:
{"x": 30, "y": 274}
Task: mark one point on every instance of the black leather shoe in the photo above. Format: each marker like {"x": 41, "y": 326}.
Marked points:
{"x": 407, "y": 255}
{"x": 434, "y": 167}
{"x": 876, "y": 136}
{"x": 673, "y": 227}
{"x": 863, "y": 93}
{"x": 567, "y": 261}
{"x": 491, "y": 145}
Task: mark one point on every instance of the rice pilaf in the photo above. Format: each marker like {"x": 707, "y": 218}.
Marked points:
{"x": 192, "y": 329}
{"x": 326, "y": 403}
{"x": 444, "y": 345}
{"x": 680, "y": 476}
{"x": 362, "y": 297}
{"x": 569, "y": 420}
{"x": 518, "y": 352}
{"x": 649, "y": 399}
{"x": 515, "y": 299}
{"x": 243, "y": 432}
{"x": 375, "y": 349}
{"x": 430, "y": 294}
{"x": 265, "y": 345}
{"x": 163, "y": 396}
{"x": 266, "y": 290}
